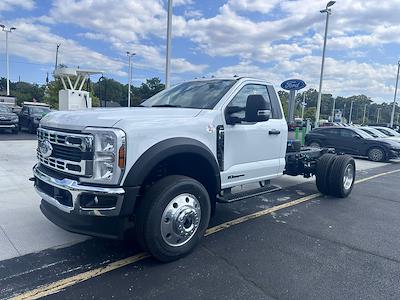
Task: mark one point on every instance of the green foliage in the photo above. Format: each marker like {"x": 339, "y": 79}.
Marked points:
{"x": 23, "y": 91}
{"x": 112, "y": 90}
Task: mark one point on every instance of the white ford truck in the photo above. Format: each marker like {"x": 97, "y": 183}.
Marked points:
{"x": 157, "y": 170}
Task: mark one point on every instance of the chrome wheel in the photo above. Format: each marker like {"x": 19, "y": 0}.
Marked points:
{"x": 180, "y": 220}
{"x": 376, "y": 154}
{"x": 348, "y": 177}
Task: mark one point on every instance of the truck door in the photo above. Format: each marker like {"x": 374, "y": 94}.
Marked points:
{"x": 253, "y": 151}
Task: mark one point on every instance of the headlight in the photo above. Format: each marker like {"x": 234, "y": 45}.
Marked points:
{"x": 15, "y": 119}
{"x": 108, "y": 157}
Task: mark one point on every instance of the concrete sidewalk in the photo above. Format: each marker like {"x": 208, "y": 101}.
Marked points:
{"x": 23, "y": 228}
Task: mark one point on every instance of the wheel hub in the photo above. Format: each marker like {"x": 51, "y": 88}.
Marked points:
{"x": 180, "y": 220}
{"x": 348, "y": 177}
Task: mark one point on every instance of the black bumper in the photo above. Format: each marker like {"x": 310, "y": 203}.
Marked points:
{"x": 105, "y": 227}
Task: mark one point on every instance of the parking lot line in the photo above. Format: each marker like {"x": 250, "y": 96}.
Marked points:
{"x": 58, "y": 286}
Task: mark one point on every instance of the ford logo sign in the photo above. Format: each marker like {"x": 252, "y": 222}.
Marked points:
{"x": 293, "y": 84}
{"x": 45, "y": 148}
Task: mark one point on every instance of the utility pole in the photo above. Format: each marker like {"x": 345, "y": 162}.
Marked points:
{"x": 129, "y": 54}
{"x": 395, "y": 95}
{"x": 365, "y": 110}
{"x": 168, "y": 56}
{"x": 328, "y": 11}
{"x": 56, "y": 65}
{"x": 333, "y": 109}
{"x": 351, "y": 112}
{"x": 7, "y": 31}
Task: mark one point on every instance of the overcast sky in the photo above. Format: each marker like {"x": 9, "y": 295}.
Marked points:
{"x": 272, "y": 39}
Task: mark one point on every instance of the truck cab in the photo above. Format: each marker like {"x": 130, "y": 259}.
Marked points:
{"x": 157, "y": 170}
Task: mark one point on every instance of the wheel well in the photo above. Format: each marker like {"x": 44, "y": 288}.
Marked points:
{"x": 377, "y": 147}
{"x": 187, "y": 164}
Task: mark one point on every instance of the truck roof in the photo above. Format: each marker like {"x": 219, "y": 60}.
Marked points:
{"x": 237, "y": 78}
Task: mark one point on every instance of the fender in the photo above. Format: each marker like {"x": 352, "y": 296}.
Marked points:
{"x": 162, "y": 150}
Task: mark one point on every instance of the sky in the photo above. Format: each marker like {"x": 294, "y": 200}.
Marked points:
{"x": 270, "y": 39}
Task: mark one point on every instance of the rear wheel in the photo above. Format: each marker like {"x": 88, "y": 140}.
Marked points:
{"x": 173, "y": 217}
{"x": 342, "y": 176}
{"x": 376, "y": 154}
{"x": 322, "y": 172}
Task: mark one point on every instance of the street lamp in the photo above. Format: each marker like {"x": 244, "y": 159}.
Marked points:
{"x": 7, "y": 31}
{"x": 328, "y": 11}
{"x": 395, "y": 95}
{"x": 351, "y": 112}
{"x": 129, "y": 54}
{"x": 168, "y": 55}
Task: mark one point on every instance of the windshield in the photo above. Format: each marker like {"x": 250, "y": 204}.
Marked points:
{"x": 40, "y": 110}
{"x": 369, "y": 132}
{"x": 377, "y": 133}
{"x": 388, "y": 131}
{"x": 362, "y": 133}
{"x": 4, "y": 109}
{"x": 193, "y": 94}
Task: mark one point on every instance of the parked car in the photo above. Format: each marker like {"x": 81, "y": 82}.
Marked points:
{"x": 30, "y": 116}
{"x": 354, "y": 141}
{"x": 388, "y": 131}
{"x": 378, "y": 134}
{"x": 8, "y": 120}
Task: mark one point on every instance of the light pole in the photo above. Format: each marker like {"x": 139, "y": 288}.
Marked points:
{"x": 378, "y": 115}
{"x": 328, "y": 11}
{"x": 351, "y": 111}
{"x": 168, "y": 56}
{"x": 395, "y": 95}
{"x": 56, "y": 65}
{"x": 129, "y": 54}
{"x": 303, "y": 105}
{"x": 365, "y": 110}
{"x": 7, "y": 31}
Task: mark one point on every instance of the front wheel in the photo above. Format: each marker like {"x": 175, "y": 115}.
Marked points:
{"x": 173, "y": 217}
{"x": 376, "y": 154}
{"x": 315, "y": 145}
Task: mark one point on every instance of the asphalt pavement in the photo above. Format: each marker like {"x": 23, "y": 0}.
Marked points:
{"x": 322, "y": 248}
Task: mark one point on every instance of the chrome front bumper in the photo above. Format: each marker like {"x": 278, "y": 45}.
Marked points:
{"x": 8, "y": 126}
{"x": 77, "y": 190}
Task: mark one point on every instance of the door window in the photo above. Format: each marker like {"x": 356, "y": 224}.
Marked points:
{"x": 348, "y": 133}
{"x": 240, "y": 99}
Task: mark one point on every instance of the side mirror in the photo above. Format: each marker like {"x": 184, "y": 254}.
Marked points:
{"x": 257, "y": 109}
{"x": 229, "y": 111}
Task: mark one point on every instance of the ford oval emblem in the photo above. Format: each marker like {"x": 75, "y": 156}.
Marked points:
{"x": 45, "y": 148}
{"x": 293, "y": 84}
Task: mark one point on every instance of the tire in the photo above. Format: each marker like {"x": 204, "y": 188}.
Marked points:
{"x": 376, "y": 154}
{"x": 342, "y": 176}
{"x": 315, "y": 144}
{"x": 322, "y": 171}
{"x": 173, "y": 217}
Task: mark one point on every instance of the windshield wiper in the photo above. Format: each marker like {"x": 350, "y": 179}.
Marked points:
{"x": 165, "y": 105}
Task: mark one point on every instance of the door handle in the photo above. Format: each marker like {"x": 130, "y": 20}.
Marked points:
{"x": 274, "y": 131}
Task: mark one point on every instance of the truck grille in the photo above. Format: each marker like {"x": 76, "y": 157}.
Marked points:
{"x": 70, "y": 152}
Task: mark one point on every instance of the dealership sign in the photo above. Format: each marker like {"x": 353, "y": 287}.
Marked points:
{"x": 293, "y": 84}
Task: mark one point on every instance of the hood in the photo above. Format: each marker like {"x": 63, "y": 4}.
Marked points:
{"x": 108, "y": 117}
{"x": 389, "y": 142}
